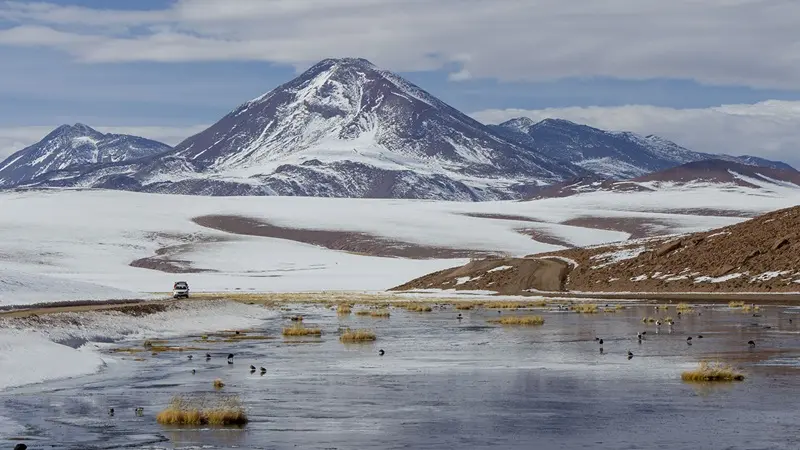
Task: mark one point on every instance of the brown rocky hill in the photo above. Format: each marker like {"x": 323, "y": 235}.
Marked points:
{"x": 758, "y": 255}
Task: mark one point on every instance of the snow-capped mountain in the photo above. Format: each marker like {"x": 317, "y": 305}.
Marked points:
{"x": 618, "y": 155}
{"x": 346, "y": 128}
{"x": 71, "y": 146}
{"x": 343, "y": 128}
{"x": 348, "y": 110}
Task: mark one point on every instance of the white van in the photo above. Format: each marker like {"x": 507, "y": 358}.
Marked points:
{"x": 180, "y": 289}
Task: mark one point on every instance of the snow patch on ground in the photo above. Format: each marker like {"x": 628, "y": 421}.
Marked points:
{"x": 28, "y": 357}
{"x": 611, "y": 258}
{"x": 499, "y": 268}
{"x": 639, "y": 278}
{"x": 722, "y": 279}
{"x": 766, "y": 276}
{"x": 29, "y": 352}
{"x": 20, "y": 288}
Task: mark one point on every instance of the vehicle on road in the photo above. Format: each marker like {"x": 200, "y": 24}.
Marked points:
{"x": 180, "y": 289}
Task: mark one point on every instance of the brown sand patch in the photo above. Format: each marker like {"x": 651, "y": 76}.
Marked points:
{"x": 136, "y": 308}
{"x": 635, "y": 226}
{"x": 503, "y": 275}
{"x": 354, "y": 242}
{"x": 502, "y": 217}
{"x": 544, "y": 237}
{"x": 166, "y": 258}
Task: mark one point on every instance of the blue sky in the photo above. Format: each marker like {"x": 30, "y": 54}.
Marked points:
{"x": 645, "y": 65}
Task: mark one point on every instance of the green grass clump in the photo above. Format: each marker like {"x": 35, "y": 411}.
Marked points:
{"x": 221, "y": 412}
{"x": 299, "y": 330}
{"x": 363, "y": 312}
{"x": 519, "y": 320}
{"x": 343, "y": 310}
{"x": 359, "y": 335}
{"x": 707, "y": 372}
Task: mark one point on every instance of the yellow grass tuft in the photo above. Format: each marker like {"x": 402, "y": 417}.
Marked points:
{"x": 359, "y": 335}
{"x": 464, "y": 306}
{"x": 519, "y": 320}
{"x": 736, "y": 304}
{"x": 380, "y": 313}
{"x": 585, "y": 308}
{"x": 343, "y": 309}
{"x": 684, "y": 307}
{"x": 221, "y": 412}
{"x": 712, "y": 372}
{"x": 619, "y": 307}
{"x": 299, "y": 330}
{"x": 363, "y": 312}
{"x": 648, "y": 319}
{"x": 750, "y": 308}
{"x": 218, "y": 384}
{"x": 418, "y": 307}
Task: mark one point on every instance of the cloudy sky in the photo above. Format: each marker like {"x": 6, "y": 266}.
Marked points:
{"x": 712, "y": 75}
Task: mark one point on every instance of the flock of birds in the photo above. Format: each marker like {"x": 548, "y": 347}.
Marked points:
{"x": 641, "y": 335}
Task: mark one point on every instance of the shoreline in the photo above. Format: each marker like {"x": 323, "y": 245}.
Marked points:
{"x": 132, "y": 306}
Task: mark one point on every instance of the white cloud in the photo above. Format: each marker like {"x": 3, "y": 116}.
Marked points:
{"x": 17, "y": 138}
{"x": 768, "y": 129}
{"x": 747, "y": 42}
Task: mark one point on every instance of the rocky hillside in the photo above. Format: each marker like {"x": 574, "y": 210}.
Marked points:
{"x": 758, "y": 255}
{"x": 73, "y": 146}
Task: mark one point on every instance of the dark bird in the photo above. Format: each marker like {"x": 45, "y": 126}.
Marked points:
{"x": 689, "y": 340}
{"x": 601, "y": 350}
{"x": 381, "y": 352}
{"x": 644, "y": 332}
{"x": 190, "y": 356}
{"x": 252, "y": 367}
{"x": 699, "y": 336}
{"x": 110, "y": 411}
{"x": 263, "y": 371}
{"x": 679, "y": 313}
{"x": 751, "y": 344}
{"x": 790, "y": 320}
{"x": 597, "y": 339}
{"x": 194, "y": 371}
{"x": 20, "y": 447}
{"x": 208, "y": 356}
{"x": 230, "y": 358}
{"x": 601, "y": 342}
{"x": 237, "y": 332}
{"x": 630, "y": 354}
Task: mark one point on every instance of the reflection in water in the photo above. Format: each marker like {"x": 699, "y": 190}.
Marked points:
{"x": 445, "y": 383}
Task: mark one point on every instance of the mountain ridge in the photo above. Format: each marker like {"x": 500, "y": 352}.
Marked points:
{"x": 346, "y": 128}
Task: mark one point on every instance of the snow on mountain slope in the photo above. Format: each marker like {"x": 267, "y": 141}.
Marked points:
{"x": 348, "y": 109}
{"x": 618, "y": 155}
{"x": 73, "y": 146}
{"x": 343, "y": 128}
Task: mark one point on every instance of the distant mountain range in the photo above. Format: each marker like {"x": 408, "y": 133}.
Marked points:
{"x": 70, "y": 146}
{"x": 346, "y": 128}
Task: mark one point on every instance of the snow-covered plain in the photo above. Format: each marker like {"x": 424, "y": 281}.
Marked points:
{"x": 36, "y": 346}
{"x": 54, "y": 242}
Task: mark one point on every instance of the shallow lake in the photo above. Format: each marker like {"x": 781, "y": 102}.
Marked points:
{"x": 446, "y": 383}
